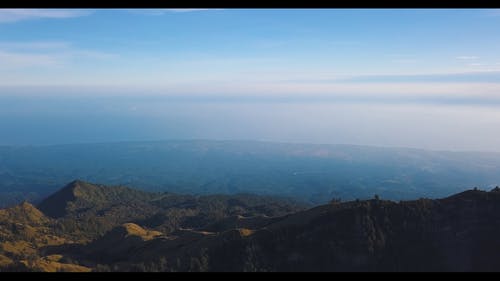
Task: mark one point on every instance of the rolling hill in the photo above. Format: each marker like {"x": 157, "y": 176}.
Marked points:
{"x": 101, "y": 229}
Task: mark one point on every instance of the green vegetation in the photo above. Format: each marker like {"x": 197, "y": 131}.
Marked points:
{"x": 105, "y": 228}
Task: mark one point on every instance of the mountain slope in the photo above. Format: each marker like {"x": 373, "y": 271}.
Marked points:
{"x": 169, "y": 232}
{"x": 87, "y": 210}
{"x": 458, "y": 233}
{"x": 24, "y": 213}
{"x": 79, "y": 196}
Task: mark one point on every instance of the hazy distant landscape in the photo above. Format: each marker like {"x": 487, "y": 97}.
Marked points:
{"x": 311, "y": 173}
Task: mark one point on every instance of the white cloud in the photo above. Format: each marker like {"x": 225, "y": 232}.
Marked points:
{"x": 467, "y": 57}
{"x": 14, "y": 15}
{"x": 14, "y": 55}
{"x": 37, "y": 45}
{"x": 387, "y": 90}
{"x": 12, "y": 60}
{"x": 339, "y": 91}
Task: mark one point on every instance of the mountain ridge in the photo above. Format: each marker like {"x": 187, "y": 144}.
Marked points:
{"x": 169, "y": 232}
{"x": 79, "y": 195}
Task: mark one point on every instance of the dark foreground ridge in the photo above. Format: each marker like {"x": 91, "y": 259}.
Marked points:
{"x": 88, "y": 227}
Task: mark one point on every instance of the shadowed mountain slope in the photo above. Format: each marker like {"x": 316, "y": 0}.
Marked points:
{"x": 250, "y": 233}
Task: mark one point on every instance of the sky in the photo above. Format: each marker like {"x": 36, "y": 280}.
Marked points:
{"x": 425, "y": 78}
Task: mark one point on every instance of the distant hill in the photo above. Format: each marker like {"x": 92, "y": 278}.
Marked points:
{"x": 89, "y": 210}
{"x": 82, "y": 212}
{"x": 24, "y": 213}
{"x": 79, "y": 196}
{"x": 249, "y": 233}
{"x": 308, "y": 172}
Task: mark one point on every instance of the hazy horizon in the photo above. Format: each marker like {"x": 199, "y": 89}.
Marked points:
{"x": 166, "y": 140}
{"x": 416, "y": 78}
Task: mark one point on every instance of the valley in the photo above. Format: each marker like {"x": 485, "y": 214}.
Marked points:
{"x": 311, "y": 173}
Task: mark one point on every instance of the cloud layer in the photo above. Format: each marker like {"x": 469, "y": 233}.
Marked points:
{"x": 14, "y": 15}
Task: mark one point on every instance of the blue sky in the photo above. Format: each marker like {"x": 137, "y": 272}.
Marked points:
{"x": 173, "y": 48}
{"x": 438, "y": 66}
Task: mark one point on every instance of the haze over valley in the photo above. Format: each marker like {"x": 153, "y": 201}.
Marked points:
{"x": 313, "y": 174}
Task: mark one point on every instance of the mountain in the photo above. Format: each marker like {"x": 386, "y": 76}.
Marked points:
{"x": 24, "y": 213}
{"x": 89, "y": 210}
{"x": 79, "y": 196}
{"x": 23, "y": 231}
{"x": 312, "y": 173}
{"x": 107, "y": 218}
{"x": 249, "y": 233}
{"x": 458, "y": 233}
